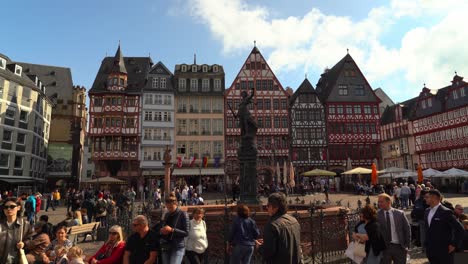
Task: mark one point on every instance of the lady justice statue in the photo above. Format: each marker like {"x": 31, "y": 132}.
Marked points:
{"x": 247, "y": 152}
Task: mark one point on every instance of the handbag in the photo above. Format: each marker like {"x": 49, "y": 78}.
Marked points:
{"x": 359, "y": 249}
{"x": 166, "y": 244}
{"x": 21, "y": 254}
{"x": 350, "y": 253}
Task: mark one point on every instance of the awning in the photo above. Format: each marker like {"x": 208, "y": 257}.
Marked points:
{"x": 17, "y": 180}
{"x": 106, "y": 180}
{"x": 197, "y": 172}
{"x": 153, "y": 173}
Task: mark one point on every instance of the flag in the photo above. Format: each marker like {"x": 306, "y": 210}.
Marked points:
{"x": 205, "y": 162}
{"x": 374, "y": 174}
{"x": 179, "y": 161}
{"x": 216, "y": 161}
{"x": 420, "y": 174}
{"x": 192, "y": 160}
{"x": 324, "y": 154}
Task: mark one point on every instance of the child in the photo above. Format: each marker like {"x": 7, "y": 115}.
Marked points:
{"x": 60, "y": 255}
{"x": 75, "y": 255}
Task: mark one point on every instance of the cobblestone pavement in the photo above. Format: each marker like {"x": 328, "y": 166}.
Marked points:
{"x": 210, "y": 198}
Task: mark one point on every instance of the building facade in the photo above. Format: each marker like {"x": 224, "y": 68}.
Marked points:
{"x": 157, "y": 120}
{"x": 115, "y": 117}
{"x": 352, "y": 116}
{"x": 68, "y": 125}
{"x": 440, "y": 126}
{"x": 271, "y": 112}
{"x": 87, "y": 172}
{"x": 199, "y": 123}
{"x": 25, "y": 120}
{"x": 396, "y": 130}
{"x": 308, "y": 129}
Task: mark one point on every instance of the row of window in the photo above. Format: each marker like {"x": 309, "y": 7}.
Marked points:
{"x": 307, "y": 99}
{"x": 116, "y": 81}
{"x": 309, "y": 133}
{"x": 5, "y": 161}
{"x": 197, "y": 104}
{"x": 446, "y": 155}
{"x": 8, "y": 136}
{"x": 343, "y": 152}
{"x": 353, "y": 109}
{"x": 159, "y": 83}
{"x": 426, "y": 103}
{"x": 309, "y": 115}
{"x": 460, "y": 92}
{"x": 153, "y": 153}
{"x": 394, "y": 132}
{"x": 200, "y": 148}
{"x": 110, "y": 121}
{"x": 449, "y": 134}
{"x": 114, "y": 101}
{"x": 262, "y": 104}
{"x": 442, "y": 117}
{"x": 200, "y": 126}
{"x": 156, "y": 134}
{"x": 157, "y": 116}
{"x": 344, "y": 90}
{"x": 194, "y": 68}
{"x": 262, "y": 122}
{"x": 115, "y": 144}
{"x": 352, "y": 128}
{"x": 309, "y": 154}
{"x": 158, "y": 99}
{"x": 259, "y": 85}
{"x": 196, "y": 83}
{"x": 263, "y": 142}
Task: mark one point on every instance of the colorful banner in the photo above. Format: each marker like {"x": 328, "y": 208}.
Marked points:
{"x": 216, "y": 162}
{"x": 179, "y": 162}
{"x": 205, "y": 162}
{"x": 192, "y": 161}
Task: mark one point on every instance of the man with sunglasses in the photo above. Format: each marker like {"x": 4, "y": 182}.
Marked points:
{"x": 13, "y": 231}
{"x": 141, "y": 247}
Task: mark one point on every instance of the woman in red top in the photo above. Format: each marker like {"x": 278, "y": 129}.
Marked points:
{"x": 112, "y": 251}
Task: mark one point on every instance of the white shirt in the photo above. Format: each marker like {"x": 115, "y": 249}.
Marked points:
{"x": 394, "y": 239}
{"x": 431, "y": 214}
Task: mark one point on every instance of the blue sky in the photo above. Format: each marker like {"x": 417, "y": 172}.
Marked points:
{"x": 398, "y": 44}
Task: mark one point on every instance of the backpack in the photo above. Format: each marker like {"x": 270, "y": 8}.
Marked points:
{"x": 28, "y": 206}
{"x": 101, "y": 206}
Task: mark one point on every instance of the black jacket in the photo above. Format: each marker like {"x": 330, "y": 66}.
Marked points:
{"x": 178, "y": 220}
{"x": 376, "y": 239}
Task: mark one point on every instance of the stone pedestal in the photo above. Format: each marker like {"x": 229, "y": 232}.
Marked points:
{"x": 167, "y": 179}
{"x": 248, "y": 176}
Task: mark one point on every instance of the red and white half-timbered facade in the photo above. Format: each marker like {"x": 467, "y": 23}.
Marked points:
{"x": 270, "y": 110}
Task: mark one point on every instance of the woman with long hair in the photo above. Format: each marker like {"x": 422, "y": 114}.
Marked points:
{"x": 373, "y": 237}
{"x": 112, "y": 251}
{"x": 244, "y": 232}
{"x": 197, "y": 241}
{"x": 14, "y": 231}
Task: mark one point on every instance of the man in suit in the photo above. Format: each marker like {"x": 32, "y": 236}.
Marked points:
{"x": 444, "y": 233}
{"x": 396, "y": 231}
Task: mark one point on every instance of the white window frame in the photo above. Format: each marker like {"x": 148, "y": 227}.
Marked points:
{"x": 205, "y": 68}
{"x": 429, "y": 102}
{"x": 194, "y": 68}
{"x": 215, "y": 68}
{"x": 183, "y": 68}
{"x": 8, "y": 161}
{"x": 343, "y": 90}
{"x": 217, "y": 85}
{"x": 18, "y": 69}
{"x": 148, "y": 116}
{"x": 462, "y": 92}
{"x": 205, "y": 85}
{"x": 155, "y": 83}
{"x": 163, "y": 83}
{"x": 148, "y": 99}
{"x": 455, "y": 94}
{"x": 182, "y": 85}
{"x": 423, "y": 104}
{"x": 11, "y": 136}
{"x": 2, "y": 63}
{"x": 194, "y": 85}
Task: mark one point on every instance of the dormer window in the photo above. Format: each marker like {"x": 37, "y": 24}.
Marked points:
{"x": 215, "y": 68}
{"x": 18, "y": 70}
{"x": 205, "y": 68}
{"x": 455, "y": 94}
{"x": 462, "y": 92}
{"x": 184, "y": 68}
{"x": 2, "y": 63}
{"x": 194, "y": 68}
{"x": 429, "y": 102}
{"x": 423, "y": 104}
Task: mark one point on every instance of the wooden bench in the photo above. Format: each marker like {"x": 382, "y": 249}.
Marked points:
{"x": 85, "y": 229}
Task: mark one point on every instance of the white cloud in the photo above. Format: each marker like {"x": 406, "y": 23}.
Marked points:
{"x": 314, "y": 41}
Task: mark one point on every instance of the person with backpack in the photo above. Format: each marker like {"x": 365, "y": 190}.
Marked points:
{"x": 30, "y": 207}
{"x": 101, "y": 208}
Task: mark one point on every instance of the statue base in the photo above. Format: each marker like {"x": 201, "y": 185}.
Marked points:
{"x": 248, "y": 177}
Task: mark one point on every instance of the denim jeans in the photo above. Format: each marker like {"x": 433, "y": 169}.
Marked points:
{"x": 241, "y": 254}
{"x": 404, "y": 200}
{"x": 174, "y": 256}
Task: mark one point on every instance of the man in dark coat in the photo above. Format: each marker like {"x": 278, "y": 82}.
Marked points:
{"x": 444, "y": 233}
{"x": 281, "y": 241}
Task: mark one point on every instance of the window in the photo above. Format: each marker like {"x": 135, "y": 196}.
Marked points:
{"x": 194, "y": 85}
{"x": 7, "y": 135}
{"x": 10, "y": 113}
{"x": 98, "y": 101}
{"x": 194, "y": 105}
{"x": 359, "y": 90}
{"x": 18, "y": 70}
{"x": 4, "y": 160}
{"x": 349, "y": 109}
{"x": 277, "y": 122}
{"x": 155, "y": 82}
{"x": 167, "y": 117}
{"x": 205, "y": 125}
{"x": 215, "y": 68}
{"x": 194, "y": 68}
{"x": 357, "y": 109}
{"x": 267, "y": 104}
{"x": 184, "y": 68}
{"x": 182, "y": 85}
{"x": 342, "y": 90}
{"x": 2, "y": 63}
{"x": 206, "y": 105}
{"x": 163, "y": 83}
{"x": 339, "y": 109}
{"x": 367, "y": 110}
{"x": 182, "y": 127}
{"x": 429, "y": 102}
{"x": 275, "y": 104}
{"x": 21, "y": 138}
{"x": 462, "y": 92}
{"x": 268, "y": 122}
{"x": 284, "y": 122}
{"x": 423, "y": 104}
{"x": 284, "y": 104}
{"x": 217, "y": 85}
{"x": 205, "y": 85}
{"x": 18, "y": 162}
{"x": 217, "y": 126}
{"x": 205, "y": 68}
{"x": 148, "y": 116}
{"x": 455, "y": 94}
{"x": 23, "y": 116}
{"x": 331, "y": 110}
{"x": 147, "y": 134}
{"x": 193, "y": 126}
{"x": 260, "y": 122}
{"x": 148, "y": 99}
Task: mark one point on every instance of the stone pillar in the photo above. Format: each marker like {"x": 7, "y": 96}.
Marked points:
{"x": 248, "y": 177}
{"x": 167, "y": 172}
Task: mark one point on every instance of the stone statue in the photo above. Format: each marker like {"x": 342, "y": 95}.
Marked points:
{"x": 247, "y": 124}
{"x": 167, "y": 155}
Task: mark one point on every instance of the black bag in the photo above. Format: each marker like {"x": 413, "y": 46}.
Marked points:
{"x": 28, "y": 206}
{"x": 165, "y": 243}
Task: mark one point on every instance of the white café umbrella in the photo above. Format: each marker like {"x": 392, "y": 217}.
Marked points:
{"x": 358, "y": 170}
{"x": 454, "y": 172}
{"x": 431, "y": 173}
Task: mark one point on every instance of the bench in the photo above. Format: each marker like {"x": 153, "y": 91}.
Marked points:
{"x": 85, "y": 229}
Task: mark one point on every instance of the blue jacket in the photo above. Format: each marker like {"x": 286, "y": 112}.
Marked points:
{"x": 244, "y": 231}
{"x": 32, "y": 199}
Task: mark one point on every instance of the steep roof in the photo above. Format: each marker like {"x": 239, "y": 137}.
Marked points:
{"x": 58, "y": 80}
{"x": 137, "y": 74}
{"x": 408, "y": 111}
{"x": 305, "y": 88}
{"x": 119, "y": 65}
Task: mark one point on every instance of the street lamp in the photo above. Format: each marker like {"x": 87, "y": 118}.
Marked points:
{"x": 200, "y": 181}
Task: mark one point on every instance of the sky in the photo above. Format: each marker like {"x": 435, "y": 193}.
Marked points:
{"x": 399, "y": 45}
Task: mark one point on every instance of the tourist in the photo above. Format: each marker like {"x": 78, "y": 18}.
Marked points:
{"x": 100, "y": 208}
{"x": 405, "y": 193}
{"x": 281, "y": 241}
{"x": 175, "y": 226}
{"x": 141, "y": 246}
{"x": 459, "y": 212}
{"x": 244, "y": 232}
{"x": 444, "y": 233}
{"x": 184, "y": 195}
{"x": 195, "y": 199}
{"x": 35, "y": 249}
{"x": 372, "y": 235}
{"x": 12, "y": 225}
{"x": 112, "y": 251}
{"x": 88, "y": 205}
{"x": 50, "y": 227}
{"x": 396, "y": 229}
{"x": 157, "y": 198}
{"x": 75, "y": 255}
{"x": 38, "y": 197}
{"x": 30, "y": 208}
{"x": 61, "y": 255}
{"x": 50, "y": 201}
{"x": 417, "y": 215}
{"x": 56, "y": 198}
{"x": 465, "y": 236}
{"x": 197, "y": 241}
{"x": 59, "y": 241}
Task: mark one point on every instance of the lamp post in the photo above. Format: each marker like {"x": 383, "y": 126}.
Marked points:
{"x": 200, "y": 180}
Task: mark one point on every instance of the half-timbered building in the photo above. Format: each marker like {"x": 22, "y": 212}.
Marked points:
{"x": 352, "y": 115}
{"x": 441, "y": 126}
{"x": 270, "y": 110}
{"x": 115, "y": 118}
{"x": 308, "y": 129}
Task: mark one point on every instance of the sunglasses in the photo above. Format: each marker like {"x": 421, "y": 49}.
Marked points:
{"x": 113, "y": 233}
{"x": 135, "y": 224}
{"x": 11, "y": 207}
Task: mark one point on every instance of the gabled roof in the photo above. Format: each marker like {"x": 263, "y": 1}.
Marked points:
{"x": 119, "y": 65}
{"x": 58, "y": 80}
{"x": 328, "y": 78}
{"x": 137, "y": 74}
{"x": 305, "y": 88}
{"x": 160, "y": 65}
{"x": 408, "y": 111}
